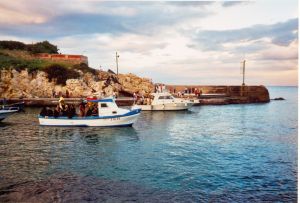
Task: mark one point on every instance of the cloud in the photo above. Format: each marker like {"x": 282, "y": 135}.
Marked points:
{"x": 190, "y": 3}
{"x": 191, "y": 42}
{"x": 280, "y": 33}
{"x": 62, "y": 18}
{"x": 233, "y": 3}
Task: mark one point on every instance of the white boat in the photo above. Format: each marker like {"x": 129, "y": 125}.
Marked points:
{"x": 109, "y": 115}
{"x": 166, "y": 102}
{"x": 7, "y": 111}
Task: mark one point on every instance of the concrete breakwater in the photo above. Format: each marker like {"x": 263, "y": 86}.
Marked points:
{"x": 211, "y": 95}
{"x": 219, "y": 95}
{"x": 39, "y": 102}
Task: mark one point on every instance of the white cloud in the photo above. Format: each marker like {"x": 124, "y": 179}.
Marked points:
{"x": 167, "y": 54}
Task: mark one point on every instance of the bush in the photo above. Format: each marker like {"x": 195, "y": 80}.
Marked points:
{"x": 84, "y": 68}
{"x": 60, "y": 73}
{"x": 11, "y": 45}
{"x": 39, "y": 47}
{"x": 42, "y": 47}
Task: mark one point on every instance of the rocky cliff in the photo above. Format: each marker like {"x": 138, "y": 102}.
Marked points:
{"x": 22, "y": 84}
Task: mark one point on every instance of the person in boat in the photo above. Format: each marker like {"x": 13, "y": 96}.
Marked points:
{"x": 89, "y": 109}
{"x": 49, "y": 112}
{"x": 43, "y": 112}
{"x": 65, "y": 110}
{"x": 81, "y": 109}
{"x": 56, "y": 112}
{"x": 71, "y": 111}
{"x": 95, "y": 111}
{"x": 61, "y": 103}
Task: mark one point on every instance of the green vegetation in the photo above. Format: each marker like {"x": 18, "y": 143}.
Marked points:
{"x": 7, "y": 61}
{"x": 19, "y": 56}
{"x": 39, "y": 47}
{"x": 84, "y": 68}
{"x": 60, "y": 73}
{"x": 42, "y": 47}
{"x": 11, "y": 45}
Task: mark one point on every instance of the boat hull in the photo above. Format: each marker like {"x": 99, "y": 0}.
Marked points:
{"x": 166, "y": 107}
{"x": 5, "y": 113}
{"x": 105, "y": 121}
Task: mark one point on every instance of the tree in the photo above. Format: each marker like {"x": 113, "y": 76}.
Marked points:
{"x": 42, "y": 47}
{"x": 60, "y": 73}
{"x": 11, "y": 45}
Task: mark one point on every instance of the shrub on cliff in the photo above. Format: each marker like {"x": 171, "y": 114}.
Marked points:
{"x": 60, "y": 73}
{"x": 39, "y": 47}
{"x": 12, "y": 45}
{"x": 42, "y": 47}
{"x": 84, "y": 68}
{"x": 19, "y": 64}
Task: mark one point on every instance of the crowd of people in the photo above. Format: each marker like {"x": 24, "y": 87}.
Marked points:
{"x": 69, "y": 110}
{"x": 159, "y": 88}
{"x": 189, "y": 91}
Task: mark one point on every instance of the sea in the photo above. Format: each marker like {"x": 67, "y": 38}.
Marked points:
{"x": 221, "y": 153}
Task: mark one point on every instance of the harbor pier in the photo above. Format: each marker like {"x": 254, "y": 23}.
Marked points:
{"x": 210, "y": 95}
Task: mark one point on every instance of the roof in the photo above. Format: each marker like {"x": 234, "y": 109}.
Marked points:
{"x": 161, "y": 94}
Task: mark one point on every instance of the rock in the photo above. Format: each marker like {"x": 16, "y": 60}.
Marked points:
{"x": 14, "y": 84}
{"x": 278, "y": 98}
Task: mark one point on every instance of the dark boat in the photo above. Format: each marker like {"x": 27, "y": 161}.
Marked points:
{"x": 19, "y": 105}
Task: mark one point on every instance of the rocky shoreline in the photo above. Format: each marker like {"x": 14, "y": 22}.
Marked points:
{"x": 23, "y": 84}
{"x": 35, "y": 89}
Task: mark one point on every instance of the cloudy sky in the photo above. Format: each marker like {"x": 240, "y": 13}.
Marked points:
{"x": 189, "y": 42}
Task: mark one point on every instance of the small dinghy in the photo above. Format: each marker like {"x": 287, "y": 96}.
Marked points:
{"x": 109, "y": 115}
{"x": 7, "y": 111}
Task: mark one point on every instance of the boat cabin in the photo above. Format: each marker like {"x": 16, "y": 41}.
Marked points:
{"x": 107, "y": 107}
{"x": 162, "y": 98}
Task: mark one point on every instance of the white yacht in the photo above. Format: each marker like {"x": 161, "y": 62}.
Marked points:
{"x": 166, "y": 102}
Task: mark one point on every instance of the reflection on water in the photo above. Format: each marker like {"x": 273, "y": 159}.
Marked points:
{"x": 211, "y": 153}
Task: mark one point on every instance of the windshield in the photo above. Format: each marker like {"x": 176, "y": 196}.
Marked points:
{"x": 166, "y": 97}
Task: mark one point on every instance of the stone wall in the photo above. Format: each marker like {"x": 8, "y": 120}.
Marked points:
{"x": 246, "y": 94}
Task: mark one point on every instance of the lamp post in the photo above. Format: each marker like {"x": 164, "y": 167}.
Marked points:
{"x": 244, "y": 66}
{"x": 117, "y": 62}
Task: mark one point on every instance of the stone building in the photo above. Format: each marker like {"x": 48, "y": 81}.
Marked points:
{"x": 76, "y": 59}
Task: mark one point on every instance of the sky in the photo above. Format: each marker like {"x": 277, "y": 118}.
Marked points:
{"x": 172, "y": 42}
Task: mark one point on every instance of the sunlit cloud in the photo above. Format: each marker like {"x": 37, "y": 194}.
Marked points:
{"x": 189, "y": 42}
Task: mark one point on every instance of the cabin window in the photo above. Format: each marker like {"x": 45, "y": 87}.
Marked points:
{"x": 104, "y": 105}
{"x": 165, "y": 97}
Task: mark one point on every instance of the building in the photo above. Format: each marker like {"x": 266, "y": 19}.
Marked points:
{"x": 76, "y": 59}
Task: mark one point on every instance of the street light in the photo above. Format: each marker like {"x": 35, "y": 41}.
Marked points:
{"x": 244, "y": 67}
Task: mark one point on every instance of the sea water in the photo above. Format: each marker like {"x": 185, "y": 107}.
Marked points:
{"x": 240, "y": 153}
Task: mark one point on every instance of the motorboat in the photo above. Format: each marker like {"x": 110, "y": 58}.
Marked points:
{"x": 19, "y": 105}
{"x": 7, "y": 111}
{"x": 109, "y": 115}
{"x": 164, "y": 101}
